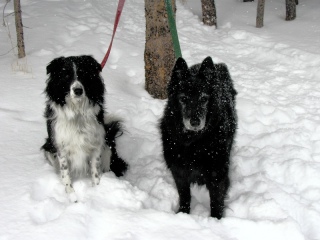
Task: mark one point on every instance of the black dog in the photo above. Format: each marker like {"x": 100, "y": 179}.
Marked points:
{"x": 81, "y": 138}
{"x": 198, "y": 129}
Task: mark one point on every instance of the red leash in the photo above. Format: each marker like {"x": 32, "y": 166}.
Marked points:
{"x": 116, "y": 21}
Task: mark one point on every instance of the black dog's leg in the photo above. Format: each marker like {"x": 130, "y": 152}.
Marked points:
{"x": 217, "y": 190}
{"x": 118, "y": 165}
{"x": 183, "y": 187}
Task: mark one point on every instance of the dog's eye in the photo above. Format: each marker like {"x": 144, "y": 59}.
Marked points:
{"x": 204, "y": 99}
{"x": 183, "y": 99}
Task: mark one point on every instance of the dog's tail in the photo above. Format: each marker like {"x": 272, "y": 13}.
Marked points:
{"x": 113, "y": 130}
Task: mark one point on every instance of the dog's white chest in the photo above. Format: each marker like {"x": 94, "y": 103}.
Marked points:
{"x": 79, "y": 132}
{"x": 79, "y": 136}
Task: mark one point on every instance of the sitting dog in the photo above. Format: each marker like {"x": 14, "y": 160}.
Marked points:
{"x": 198, "y": 128}
{"x": 81, "y": 139}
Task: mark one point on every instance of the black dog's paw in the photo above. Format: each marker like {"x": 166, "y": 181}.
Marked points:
{"x": 217, "y": 212}
{"x": 118, "y": 166}
{"x": 184, "y": 209}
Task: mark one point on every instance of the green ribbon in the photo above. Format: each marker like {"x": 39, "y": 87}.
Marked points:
{"x": 173, "y": 30}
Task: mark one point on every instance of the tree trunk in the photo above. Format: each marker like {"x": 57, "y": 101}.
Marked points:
{"x": 209, "y": 14}
{"x": 19, "y": 29}
{"x": 159, "y": 55}
{"x": 290, "y": 10}
{"x": 260, "y": 13}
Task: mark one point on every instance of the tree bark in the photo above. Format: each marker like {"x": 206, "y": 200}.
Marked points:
{"x": 260, "y": 13}
{"x": 290, "y": 10}
{"x": 209, "y": 13}
{"x": 19, "y": 29}
{"x": 159, "y": 55}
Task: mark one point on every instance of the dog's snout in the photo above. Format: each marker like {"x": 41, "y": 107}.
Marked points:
{"x": 78, "y": 91}
{"x": 195, "y": 121}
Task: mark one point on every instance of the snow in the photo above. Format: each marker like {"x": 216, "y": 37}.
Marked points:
{"x": 275, "y": 172}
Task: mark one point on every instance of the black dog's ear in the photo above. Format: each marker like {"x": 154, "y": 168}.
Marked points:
{"x": 91, "y": 62}
{"x": 180, "y": 69}
{"x": 179, "y": 73}
{"x": 207, "y": 67}
{"x": 54, "y": 64}
{"x": 224, "y": 77}
{"x": 223, "y": 72}
{"x": 180, "y": 65}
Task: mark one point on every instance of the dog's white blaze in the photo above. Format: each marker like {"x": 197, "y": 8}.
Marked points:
{"x": 78, "y": 134}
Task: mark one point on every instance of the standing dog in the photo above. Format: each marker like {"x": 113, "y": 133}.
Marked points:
{"x": 198, "y": 129}
{"x": 80, "y": 140}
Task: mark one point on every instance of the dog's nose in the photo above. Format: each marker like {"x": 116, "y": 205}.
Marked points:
{"x": 194, "y": 121}
{"x": 78, "y": 91}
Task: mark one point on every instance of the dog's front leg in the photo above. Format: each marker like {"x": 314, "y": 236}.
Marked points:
{"x": 218, "y": 188}
{"x": 65, "y": 177}
{"x": 183, "y": 187}
{"x": 95, "y": 169}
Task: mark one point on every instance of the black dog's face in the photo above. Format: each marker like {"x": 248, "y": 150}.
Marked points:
{"x": 73, "y": 79}
{"x": 194, "y": 110}
{"x": 193, "y": 89}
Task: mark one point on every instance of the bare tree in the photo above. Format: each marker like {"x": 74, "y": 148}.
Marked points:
{"x": 159, "y": 54}
{"x": 290, "y": 10}
{"x": 209, "y": 13}
{"x": 19, "y": 29}
{"x": 260, "y": 13}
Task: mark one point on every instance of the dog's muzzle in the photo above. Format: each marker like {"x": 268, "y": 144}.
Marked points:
{"x": 194, "y": 123}
{"x": 78, "y": 91}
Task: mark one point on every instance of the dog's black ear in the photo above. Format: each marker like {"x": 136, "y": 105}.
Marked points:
{"x": 207, "y": 67}
{"x": 222, "y": 72}
{"x": 91, "y": 63}
{"x": 208, "y": 72}
{"x": 54, "y": 64}
{"x": 179, "y": 73}
{"x": 224, "y": 77}
{"x": 180, "y": 70}
{"x": 180, "y": 65}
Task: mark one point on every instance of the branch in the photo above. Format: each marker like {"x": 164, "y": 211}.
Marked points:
{"x": 3, "y": 16}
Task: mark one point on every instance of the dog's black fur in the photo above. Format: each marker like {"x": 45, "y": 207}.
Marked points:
{"x": 80, "y": 135}
{"x": 198, "y": 129}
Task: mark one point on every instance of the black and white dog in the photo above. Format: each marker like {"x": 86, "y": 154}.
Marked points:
{"x": 81, "y": 139}
{"x": 198, "y": 129}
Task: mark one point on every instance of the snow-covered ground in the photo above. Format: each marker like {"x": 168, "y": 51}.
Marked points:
{"x": 275, "y": 173}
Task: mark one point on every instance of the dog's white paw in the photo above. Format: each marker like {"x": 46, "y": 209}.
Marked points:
{"x": 71, "y": 193}
{"x": 69, "y": 189}
{"x": 95, "y": 181}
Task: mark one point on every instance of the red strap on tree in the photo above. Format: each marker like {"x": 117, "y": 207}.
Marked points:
{"x": 116, "y": 21}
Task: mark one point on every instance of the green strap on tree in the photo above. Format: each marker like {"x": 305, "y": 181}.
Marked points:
{"x": 173, "y": 30}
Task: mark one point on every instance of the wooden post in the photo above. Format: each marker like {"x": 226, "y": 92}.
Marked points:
{"x": 290, "y": 10}
{"x": 260, "y": 13}
{"x": 19, "y": 29}
{"x": 159, "y": 55}
{"x": 209, "y": 13}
